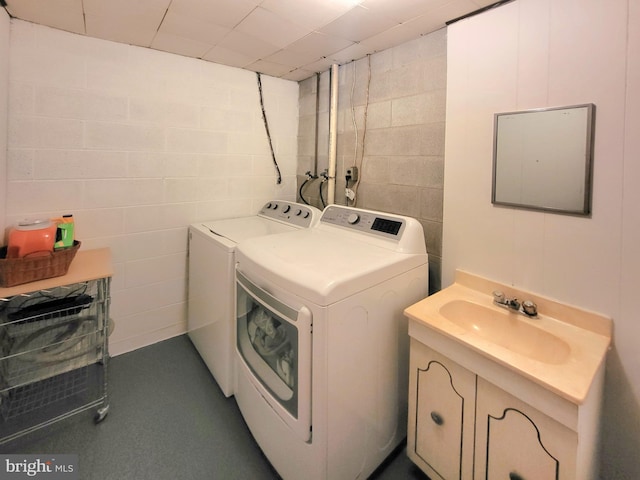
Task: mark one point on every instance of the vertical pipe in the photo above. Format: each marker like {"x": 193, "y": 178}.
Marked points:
{"x": 333, "y": 135}
{"x": 314, "y": 172}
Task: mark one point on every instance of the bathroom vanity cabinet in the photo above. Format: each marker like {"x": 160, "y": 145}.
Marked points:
{"x": 496, "y": 395}
{"x": 456, "y": 417}
{"x": 442, "y": 396}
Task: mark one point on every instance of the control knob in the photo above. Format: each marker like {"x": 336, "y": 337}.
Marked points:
{"x": 353, "y": 219}
{"x": 287, "y": 208}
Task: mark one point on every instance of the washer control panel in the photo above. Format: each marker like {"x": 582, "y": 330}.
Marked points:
{"x": 290, "y": 212}
{"x": 364, "y": 221}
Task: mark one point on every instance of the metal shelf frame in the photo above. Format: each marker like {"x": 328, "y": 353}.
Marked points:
{"x": 54, "y": 355}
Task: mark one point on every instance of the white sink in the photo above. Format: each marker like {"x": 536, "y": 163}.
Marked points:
{"x": 508, "y": 330}
{"x": 561, "y": 349}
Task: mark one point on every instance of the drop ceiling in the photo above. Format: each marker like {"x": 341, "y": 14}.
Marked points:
{"x": 291, "y": 39}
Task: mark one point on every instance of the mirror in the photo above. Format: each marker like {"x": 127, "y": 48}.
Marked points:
{"x": 542, "y": 159}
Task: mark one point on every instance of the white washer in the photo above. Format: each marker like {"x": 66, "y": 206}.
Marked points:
{"x": 211, "y": 301}
{"x": 322, "y": 342}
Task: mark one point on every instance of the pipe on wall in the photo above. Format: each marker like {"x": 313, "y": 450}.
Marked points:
{"x": 333, "y": 135}
{"x": 314, "y": 172}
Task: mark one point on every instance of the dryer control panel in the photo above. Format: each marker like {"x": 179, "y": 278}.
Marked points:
{"x": 365, "y": 221}
{"x": 395, "y": 232}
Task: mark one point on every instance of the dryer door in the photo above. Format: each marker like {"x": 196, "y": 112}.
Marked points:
{"x": 274, "y": 343}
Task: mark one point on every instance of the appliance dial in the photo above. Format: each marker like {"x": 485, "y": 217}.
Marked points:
{"x": 287, "y": 208}
{"x": 298, "y": 212}
{"x": 353, "y": 219}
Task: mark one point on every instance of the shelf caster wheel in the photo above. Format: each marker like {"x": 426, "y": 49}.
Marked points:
{"x": 100, "y": 414}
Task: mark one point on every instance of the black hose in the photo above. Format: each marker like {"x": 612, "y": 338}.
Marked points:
{"x": 321, "y": 197}
{"x": 300, "y": 191}
{"x": 266, "y": 127}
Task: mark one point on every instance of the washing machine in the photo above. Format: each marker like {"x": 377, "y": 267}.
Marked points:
{"x": 211, "y": 299}
{"x": 322, "y": 343}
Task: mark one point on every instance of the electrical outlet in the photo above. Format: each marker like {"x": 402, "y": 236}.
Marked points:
{"x": 352, "y": 173}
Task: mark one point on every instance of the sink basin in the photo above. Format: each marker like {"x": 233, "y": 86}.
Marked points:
{"x": 563, "y": 350}
{"x": 508, "y": 330}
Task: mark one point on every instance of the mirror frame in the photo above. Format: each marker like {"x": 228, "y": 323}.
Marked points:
{"x": 585, "y": 210}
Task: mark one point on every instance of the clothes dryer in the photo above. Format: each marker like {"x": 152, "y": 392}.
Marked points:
{"x": 211, "y": 300}
{"x": 322, "y": 342}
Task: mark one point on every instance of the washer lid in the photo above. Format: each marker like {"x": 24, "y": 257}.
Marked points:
{"x": 238, "y": 229}
{"x": 276, "y": 216}
{"x": 322, "y": 266}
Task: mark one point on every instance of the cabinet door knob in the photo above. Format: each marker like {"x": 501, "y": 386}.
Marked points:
{"x": 437, "y": 418}
{"x": 515, "y": 476}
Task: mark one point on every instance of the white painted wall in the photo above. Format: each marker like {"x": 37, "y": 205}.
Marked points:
{"x": 137, "y": 144}
{"x": 4, "y": 97}
{"x": 542, "y": 53}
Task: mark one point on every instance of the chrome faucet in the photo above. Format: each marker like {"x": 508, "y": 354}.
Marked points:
{"x": 527, "y": 308}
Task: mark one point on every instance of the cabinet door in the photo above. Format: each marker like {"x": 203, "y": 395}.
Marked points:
{"x": 441, "y": 415}
{"x": 514, "y": 441}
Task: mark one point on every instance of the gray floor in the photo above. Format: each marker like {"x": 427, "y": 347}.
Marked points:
{"x": 168, "y": 420}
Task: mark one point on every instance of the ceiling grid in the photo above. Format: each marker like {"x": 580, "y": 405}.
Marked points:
{"x": 291, "y": 39}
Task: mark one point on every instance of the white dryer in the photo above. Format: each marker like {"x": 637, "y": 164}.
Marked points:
{"x": 322, "y": 343}
{"x": 211, "y": 300}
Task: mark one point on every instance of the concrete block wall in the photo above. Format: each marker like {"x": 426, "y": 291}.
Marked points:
{"x": 401, "y": 93}
{"x": 137, "y": 144}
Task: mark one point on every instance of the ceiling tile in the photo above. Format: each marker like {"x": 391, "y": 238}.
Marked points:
{"x": 62, "y": 14}
{"x": 354, "y": 52}
{"x": 150, "y": 12}
{"x": 124, "y": 21}
{"x": 357, "y": 24}
{"x": 168, "y": 42}
{"x": 277, "y": 30}
{"x": 227, "y": 13}
{"x": 298, "y": 75}
{"x": 319, "y": 66}
{"x": 287, "y": 57}
{"x": 123, "y": 8}
{"x": 111, "y": 28}
{"x": 392, "y": 37}
{"x": 269, "y": 68}
{"x": 225, "y": 56}
{"x": 317, "y": 45}
{"x": 452, "y": 10}
{"x": 312, "y": 14}
{"x": 193, "y": 27}
{"x": 402, "y": 10}
{"x": 483, "y": 3}
{"x": 248, "y": 45}
{"x": 424, "y": 24}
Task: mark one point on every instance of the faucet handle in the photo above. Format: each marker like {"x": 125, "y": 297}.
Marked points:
{"x": 530, "y": 308}
{"x": 498, "y": 296}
